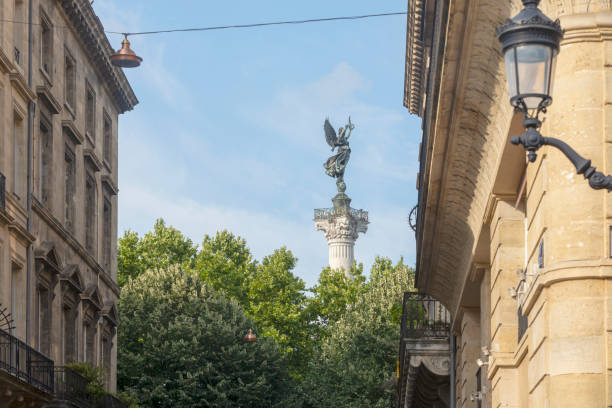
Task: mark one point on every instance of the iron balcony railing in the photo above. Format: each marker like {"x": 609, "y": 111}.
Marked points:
{"x": 110, "y": 401}
{"x": 72, "y": 387}
{"x": 423, "y": 316}
{"x": 25, "y": 363}
{"x": 326, "y": 213}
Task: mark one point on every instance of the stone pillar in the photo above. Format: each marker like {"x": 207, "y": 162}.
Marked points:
{"x": 341, "y": 249}
{"x": 341, "y": 225}
{"x": 570, "y": 290}
{"x": 507, "y": 232}
{"x": 470, "y": 352}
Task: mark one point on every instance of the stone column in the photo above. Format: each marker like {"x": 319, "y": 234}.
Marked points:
{"x": 507, "y": 232}
{"x": 570, "y": 290}
{"x": 341, "y": 225}
{"x": 470, "y": 352}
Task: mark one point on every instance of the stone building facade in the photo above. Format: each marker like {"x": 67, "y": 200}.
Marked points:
{"x": 520, "y": 254}
{"x": 60, "y": 99}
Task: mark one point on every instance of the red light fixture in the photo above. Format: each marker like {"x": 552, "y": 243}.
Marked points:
{"x": 125, "y": 57}
{"x": 250, "y": 337}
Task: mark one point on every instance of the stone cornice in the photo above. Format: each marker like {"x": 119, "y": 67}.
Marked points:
{"x": 21, "y": 233}
{"x": 5, "y": 217}
{"x": 5, "y": 62}
{"x": 45, "y": 94}
{"x": 20, "y": 84}
{"x": 92, "y": 159}
{"x": 73, "y": 132}
{"x": 107, "y": 182}
{"x": 96, "y": 44}
{"x": 415, "y": 61}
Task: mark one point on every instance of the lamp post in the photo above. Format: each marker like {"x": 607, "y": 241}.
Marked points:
{"x": 530, "y": 43}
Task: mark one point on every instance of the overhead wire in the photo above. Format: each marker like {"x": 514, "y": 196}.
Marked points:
{"x": 234, "y": 26}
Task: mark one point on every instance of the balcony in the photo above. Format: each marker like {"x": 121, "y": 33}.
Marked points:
{"x": 424, "y": 354}
{"x": 26, "y": 375}
{"x": 423, "y": 316}
{"x": 71, "y": 389}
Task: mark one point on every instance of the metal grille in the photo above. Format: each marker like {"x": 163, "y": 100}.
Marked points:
{"x": 423, "y": 316}
{"x": 72, "y": 387}
{"x": 522, "y": 323}
{"x": 25, "y": 363}
{"x": 326, "y": 213}
{"x": 479, "y": 387}
{"x": 2, "y": 191}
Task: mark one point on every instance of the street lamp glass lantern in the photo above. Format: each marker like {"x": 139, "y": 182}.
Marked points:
{"x": 530, "y": 43}
{"x": 530, "y": 72}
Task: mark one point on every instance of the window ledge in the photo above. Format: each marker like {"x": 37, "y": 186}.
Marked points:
{"x": 107, "y": 165}
{"x": 46, "y": 76}
{"x": 91, "y": 139}
{"x": 69, "y": 109}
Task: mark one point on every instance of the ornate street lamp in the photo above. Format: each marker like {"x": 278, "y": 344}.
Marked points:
{"x": 530, "y": 43}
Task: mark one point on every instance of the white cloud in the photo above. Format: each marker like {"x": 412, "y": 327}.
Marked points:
{"x": 178, "y": 180}
{"x": 297, "y": 113}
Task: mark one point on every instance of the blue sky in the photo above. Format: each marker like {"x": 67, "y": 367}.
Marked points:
{"x": 229, "y": 130}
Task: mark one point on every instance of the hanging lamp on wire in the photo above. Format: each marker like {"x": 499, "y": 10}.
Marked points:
{"x": 250, "y": 337}
{"x": 125, "y": 57}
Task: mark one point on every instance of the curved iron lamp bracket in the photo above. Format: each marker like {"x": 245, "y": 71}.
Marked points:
{"x": 532, "y": 140}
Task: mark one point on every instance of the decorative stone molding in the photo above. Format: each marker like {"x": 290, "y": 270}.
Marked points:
{"x": 415, "y": 62}
{"x": 439, "y": 365}
{"x": 341, "y": 227}
{"x": 45, "y": 94}
{"x": 426, "y": 372}
{"x": 59, "y": 228}
{"x": 91, "y": 31}
{"x": 567, "y": 7}
{"x": 73, "y": 132}
{"x": 109, "y": 185}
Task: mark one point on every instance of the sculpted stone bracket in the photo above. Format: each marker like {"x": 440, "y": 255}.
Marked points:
{"x": 438, "y": 365}
{"x": 427, "y": 379}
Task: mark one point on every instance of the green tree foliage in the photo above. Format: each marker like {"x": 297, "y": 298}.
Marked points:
{"x": 226, "y": 262}
{"x": 180, "y": 345}
{"x": 277, "y": 302}
{"x": 355, "y": 366}
{"x": 162, "y": 247}
{"x": 129, "y": 263}
{"x": 333, "y": 292}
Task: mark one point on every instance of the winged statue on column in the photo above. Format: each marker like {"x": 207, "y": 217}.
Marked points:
{"x": 335, "y": 165}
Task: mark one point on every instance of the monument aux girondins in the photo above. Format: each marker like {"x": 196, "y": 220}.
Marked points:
{"x": 341, "y": 223}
